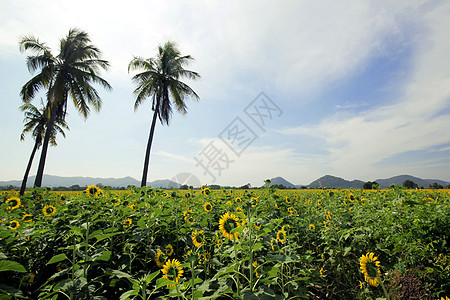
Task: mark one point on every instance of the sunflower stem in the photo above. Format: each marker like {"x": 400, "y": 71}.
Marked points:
{"x": 386, "y": 294}
{"x": 236, "y": 271}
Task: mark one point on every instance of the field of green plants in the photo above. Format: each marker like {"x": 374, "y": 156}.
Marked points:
{"x": 145, "y": 243}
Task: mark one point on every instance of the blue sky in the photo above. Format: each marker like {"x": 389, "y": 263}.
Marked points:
{"x": 362, "y": 89}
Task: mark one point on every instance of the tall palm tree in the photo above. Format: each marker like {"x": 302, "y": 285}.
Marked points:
{"x": 36, "y": 121}
{"x": 160, "y": 80}
{"x": 71, "y": 73}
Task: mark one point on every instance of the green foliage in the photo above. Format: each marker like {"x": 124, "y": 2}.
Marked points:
{"x": 298, "y": 244}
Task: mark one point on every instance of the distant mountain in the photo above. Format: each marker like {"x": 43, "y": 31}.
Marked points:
{"x": 281, "y": 181}
{"x": 329, "y": 181}
{"x": 384, "y": 183}
{"x": 57, "y": 181}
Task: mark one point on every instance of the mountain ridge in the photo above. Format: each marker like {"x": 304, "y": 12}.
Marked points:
{"x": 328, "y": 181}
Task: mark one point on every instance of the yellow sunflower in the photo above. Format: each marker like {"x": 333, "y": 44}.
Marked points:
{"x": 239, "y": 210}
{"x": 281, "y": 235}
{"x": 13, "y": 202}
{"x": 254, "y": 201}
{"x": 370, "y": 267}
{"x": 49, "y": 210}
{"x": 351, "y": 197}
{"x": 127, "y": 223}
{"x": 169, "y": 250}
{"x": 292, "y": 211}
{"x": 207, "y": 206}
{"x": 238, "y": 200}
{"x": 27, "y": 218}
{"x": 206, "y": 191}
{"x": 93, "y": 190}
{"x": 312, "y": 226}
{"x": 14, "y": 225}
{"x": 188, "y": 216}
{"x": 197, "y": 238}
{"x": 160, "y": 258}
{"x": 172, "y": 271}
{"x": 227, "y": 223}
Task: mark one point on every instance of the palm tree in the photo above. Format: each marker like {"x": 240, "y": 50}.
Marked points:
{"x": 69, "y": 74}
{"x": 160, "y": 80}
{"x": 36, "y": 123}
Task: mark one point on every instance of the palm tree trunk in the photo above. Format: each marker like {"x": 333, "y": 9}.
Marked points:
{"x": 27, "y": 171}
{"x": 147, "y": 153}
{"x": 40, "y": 171}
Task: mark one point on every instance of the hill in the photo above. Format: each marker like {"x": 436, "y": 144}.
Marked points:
{"x": 281, "y": 181}
{"x": 58, "y": 181}
{"x": 398, "y": 180}
{"x": 329, "y": 181}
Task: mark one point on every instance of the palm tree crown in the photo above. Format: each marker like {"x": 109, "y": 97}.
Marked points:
{"x": 70, "y": 74}
{"x": 36, "y": 121}
{"x": 160, "y": 81}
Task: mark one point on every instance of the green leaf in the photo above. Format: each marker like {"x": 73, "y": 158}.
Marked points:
{"x": 347, "y": 250}
{"x": 162, "y": 282}
{"x": 105, "y": 256}
{"x": 257, "y": 246}
{"x": 57, "y": 258}
{"x": 127, "y": 295}
{"x": 151, "y": 276}
{"x": 7, "y": 265}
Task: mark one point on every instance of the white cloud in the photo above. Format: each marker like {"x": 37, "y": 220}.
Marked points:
{"x": 414, "y": 122}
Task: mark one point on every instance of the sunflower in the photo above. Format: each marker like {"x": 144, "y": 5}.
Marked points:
{"x": 172, "y": 271}
{"x": 238, "y": 200}
{"x": 292, "y": 211}
{"x": 312, "y": 226}
{"x": 127, "y": 223}
{"x": 49, "y": 210}
{"x": 239, "y": 210}
{"x": 227, "y": 223}
{"x": 93, "y": 190}
{"x": 206, "y": 191}
{"x": 27, "y": 218}
{"x": 351, "y": 197}
{"x": 187, "y": 216}
{"x": 169, "y": 250}
{"x": 325, "y": 224}
{"x": 160, "y": 258}
{"x": 281, "y": 235}
{"x": 14, "y": 225}
{"x": 370, "y": 267}
{"x": 207, "y": 206}
{"x": 197, "y": 238}
{"x": 254, "y": 201}
{"x": 15, "y": 203}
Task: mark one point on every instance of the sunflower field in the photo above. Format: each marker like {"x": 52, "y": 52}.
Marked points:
{"x": 146, "y": 243}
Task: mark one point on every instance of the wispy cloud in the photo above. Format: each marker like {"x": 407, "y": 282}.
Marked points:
{"x": 174, "y": 156}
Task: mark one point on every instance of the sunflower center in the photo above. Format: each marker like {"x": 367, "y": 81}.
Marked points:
{"x": 371, "y": 269}
{"x": 230, "y": 224}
